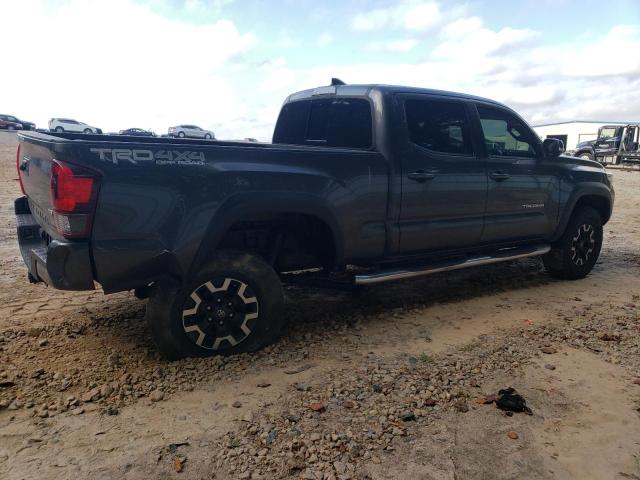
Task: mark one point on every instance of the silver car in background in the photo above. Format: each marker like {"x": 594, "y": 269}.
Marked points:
{"x": 70, "y": 125}
{"x": 191, "y": 131}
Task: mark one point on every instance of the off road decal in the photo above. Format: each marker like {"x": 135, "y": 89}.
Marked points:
{"x": 137, "y": 157}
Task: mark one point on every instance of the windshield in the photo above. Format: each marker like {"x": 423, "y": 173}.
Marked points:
{"x": 608, "y": 132}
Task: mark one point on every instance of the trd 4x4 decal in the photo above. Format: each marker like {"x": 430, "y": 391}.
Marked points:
{"x": 137, "y": 157}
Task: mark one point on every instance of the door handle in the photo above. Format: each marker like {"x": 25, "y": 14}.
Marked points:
{"x": 499, "y": 176}
{"x": 421, "y": 176}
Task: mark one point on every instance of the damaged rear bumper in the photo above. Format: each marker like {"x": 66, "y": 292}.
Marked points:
{"x": 63, "y": 265}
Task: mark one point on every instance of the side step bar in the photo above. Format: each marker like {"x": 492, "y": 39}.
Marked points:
{"x": 417, "y": 271}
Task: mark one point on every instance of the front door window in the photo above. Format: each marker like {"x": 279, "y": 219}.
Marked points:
{"x": 505, "y": 135}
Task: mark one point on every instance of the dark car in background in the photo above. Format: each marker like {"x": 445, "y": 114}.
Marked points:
{"x": 137, "y": 132}
{"x": 10, "y": 122}
{"x": 585, "y": 149}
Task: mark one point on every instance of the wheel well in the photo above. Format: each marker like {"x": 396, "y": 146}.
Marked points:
{"x": 600, "y": 204}
{"x": 288, "y": 241}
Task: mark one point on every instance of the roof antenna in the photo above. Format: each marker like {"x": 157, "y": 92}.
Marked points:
{"x": 336, "y": 81}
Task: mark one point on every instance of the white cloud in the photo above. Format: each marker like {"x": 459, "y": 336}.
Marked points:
{"x": 423, "y": 16}
{"x": 117, "y": 64}
{"x": 373, "y": 20}
{"x": 542, "y": 82}
{"x": 393, "y": 46}
{"x": 285, "y": 40}
{"x": 617, "y": 53}
{"x": 406, "y": 14}
{"x": 205, "y": 6}
{"x": 468, "y": 37}
{"x": 276, "y": 76}
{"x": 324, "y": 39}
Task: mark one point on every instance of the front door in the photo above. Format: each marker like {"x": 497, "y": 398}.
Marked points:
{"x": 444, "y": 184}
{"x": 522, "y": 200}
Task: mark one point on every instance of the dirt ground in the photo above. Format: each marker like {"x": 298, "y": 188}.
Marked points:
{"x": 388, "y": 382}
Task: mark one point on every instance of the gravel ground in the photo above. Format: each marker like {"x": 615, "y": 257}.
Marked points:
{"x": 392, "y": 381}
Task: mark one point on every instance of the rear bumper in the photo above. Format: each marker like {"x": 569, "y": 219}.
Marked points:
{"x": 60, "y": 264}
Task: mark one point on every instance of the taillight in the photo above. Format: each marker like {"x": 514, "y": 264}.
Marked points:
{"x": 74, "y": 192}
{"x": 19, "y": 171}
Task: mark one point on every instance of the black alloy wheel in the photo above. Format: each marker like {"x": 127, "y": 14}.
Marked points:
{"x": 575, "y": 253}
{"x": 233, "y": 304}
{"x": 583, "y": 244}
{"x": 220, "y": 313}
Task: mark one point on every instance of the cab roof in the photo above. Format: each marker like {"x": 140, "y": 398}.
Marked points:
{"x": 368, "y": 89}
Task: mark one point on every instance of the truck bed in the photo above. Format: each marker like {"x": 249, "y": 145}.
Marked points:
{"x": 162, "y": 202}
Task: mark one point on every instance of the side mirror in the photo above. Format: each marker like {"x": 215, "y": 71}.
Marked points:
{"x": 552, "y": 147}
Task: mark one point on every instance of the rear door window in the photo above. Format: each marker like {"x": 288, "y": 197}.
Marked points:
{"x": 292, "y": 123}
{"x": 438, "y": 125}
{"x": 332, "y": 122}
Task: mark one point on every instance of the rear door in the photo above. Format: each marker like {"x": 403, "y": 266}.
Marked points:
{"x": 444, "y": 183}
{"x": 522, "y": 200}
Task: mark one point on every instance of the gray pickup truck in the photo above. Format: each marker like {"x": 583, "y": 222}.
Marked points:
{"x": 366, "y": 182}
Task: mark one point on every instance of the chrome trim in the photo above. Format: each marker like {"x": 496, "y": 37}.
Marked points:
{"x": 500, "y": 256}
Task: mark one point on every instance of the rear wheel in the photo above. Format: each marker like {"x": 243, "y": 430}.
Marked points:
{"x": 233, "y": 305}
{"x": 577, "y": 251}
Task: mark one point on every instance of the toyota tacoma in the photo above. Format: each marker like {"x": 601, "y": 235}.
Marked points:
{"x": 366, "y": 183}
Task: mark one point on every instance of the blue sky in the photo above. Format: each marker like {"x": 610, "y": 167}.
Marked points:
{"x": 303, "y": 21}
{"x": 228, "y": 65}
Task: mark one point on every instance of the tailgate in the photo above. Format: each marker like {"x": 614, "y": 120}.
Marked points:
{"x": 62, "y": 195}
{"x": 35, "y": 162}
{"x": 55, "y": 215}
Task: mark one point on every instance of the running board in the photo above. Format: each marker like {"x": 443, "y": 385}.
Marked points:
{"x": 417, "y": 271}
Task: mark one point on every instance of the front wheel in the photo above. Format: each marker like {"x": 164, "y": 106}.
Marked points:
{"x": 181, "y": 134}
{"x": 233, "y": 305}
{"x": 59, "y": 129}
{"x": 87, "y": 130}
{"x": 577, "y": 251}
{"x": 586, "y": 156}
{"x": 11, "y": 127}
{"x": 207, "y": 137}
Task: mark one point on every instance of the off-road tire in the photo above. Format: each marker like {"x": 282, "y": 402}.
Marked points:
{"x": 189, "y": 320}
{"x": 573, "y": 256}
